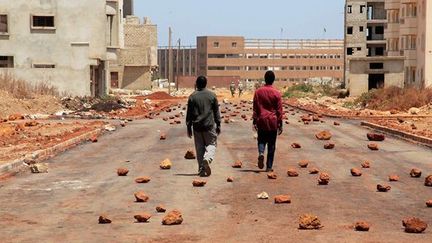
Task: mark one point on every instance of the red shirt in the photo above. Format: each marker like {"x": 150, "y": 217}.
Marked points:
{"x": 267, "y": 108}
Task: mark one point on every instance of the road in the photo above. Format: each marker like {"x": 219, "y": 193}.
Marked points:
{"x": 64, "y": 204}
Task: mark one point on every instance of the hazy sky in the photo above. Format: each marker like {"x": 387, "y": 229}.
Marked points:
{"x": 249, "y": 18}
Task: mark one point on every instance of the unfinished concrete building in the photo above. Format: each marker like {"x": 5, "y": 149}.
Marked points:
{"x": 386, "y": 44}
{"x": 138, "y": 58}
{"x": 68, "y": 44}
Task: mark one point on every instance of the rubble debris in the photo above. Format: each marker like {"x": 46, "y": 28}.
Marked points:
{"x": 142, "y": 217}
{"x": 383, "y": 188}
{"x": 394, "y": 178}
{"x": 103, "y": 219}
{"x": 166, "y": 164}
{"x": 415, "y": 173}
{"x": 123, "y": 124}
{"x": 376, "y": 137}
{"x": 199, "y": 183}
{"x": 163, "y": 136}
{"x": 329, "y": 146}
{"x": 309, "y": 222}
{"x": 238, "y": 164}
{"x": 414, "y": 225}
{"x": 122, "y": 171}
{"x": 306, "y": 118}
{"x": 429, "y": 203}
{"x": 39, "y": 168}
{"x": 373, "y": 146}
{"x": 324, "y": 135}
{"x": 94, "y": 139}
{"x": 190, "y": 154}
{"x": 141, "y": 196}
{"x": 362, "y": 226}
{"x": 272, "y": 176}
{"x": 366, "y": 164}
{"x": 230, "y": 179}
{"x": 141, "y": 180}
{"x": 356, "y": 172}
{"x": 313, "y": 171}
{"x": 292, "y": 173}
{"x": 296, "y": 145}
{"x": 428, "y": 181}
{"x": 160, "y": 209}
{"x": 336, "y": 123}
{"x": 303, "y": 163}
{"x": 174, "y": 217}
{"x": 263, "y": 195}
{"x": 31, "y": 124}
{"x": 279, "y": 199}
{"x": 110, "y": 128}
{"x": 323, "y": 179}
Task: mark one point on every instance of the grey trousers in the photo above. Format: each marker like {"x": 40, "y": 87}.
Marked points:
{"x": 205, "y": 146}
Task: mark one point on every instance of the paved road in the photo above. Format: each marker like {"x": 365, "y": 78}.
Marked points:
{"x": 64, "y": 204}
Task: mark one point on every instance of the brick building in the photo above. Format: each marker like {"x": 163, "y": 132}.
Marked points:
{"x": 236, "y": 58}
{"x": 387, "y": 43}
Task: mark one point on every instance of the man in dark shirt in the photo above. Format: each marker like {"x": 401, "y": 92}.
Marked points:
{"x": 204, "y": 124}
{"x": 267, "y": 119}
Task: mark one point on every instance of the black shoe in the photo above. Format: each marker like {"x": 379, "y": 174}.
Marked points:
{"x": 269, "y": 170}
{"x": 261, "y": 161}
{"x": 206, "y": 167}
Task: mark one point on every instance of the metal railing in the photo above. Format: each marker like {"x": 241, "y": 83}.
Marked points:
{"x": 293, "y": 44}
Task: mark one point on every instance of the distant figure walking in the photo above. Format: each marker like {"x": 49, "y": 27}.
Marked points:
{"x": 204, "y": 124}
{"x": 232, "y": 89}
{"x": 267, "y": 119}
{"x": 240, "y": 88}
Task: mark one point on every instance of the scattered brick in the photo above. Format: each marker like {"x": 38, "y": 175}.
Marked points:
{"x": 160, "y": 209}
{"x": 373, "y": 146}
{"x": 122, "y": 171}
{"x": 230, "y": 179}
{"x": 190, "y": 154}
{"x": 272, "y": 176}
{"x": 199, "y": 183}
{"x": 143, "y": 217}
{"x": 173, "y": 218}
{"x": 238, "y": 164}
{"x": 415, "y": 173}
{"x": 324, "y": 135}
{"x": 336, "y": 123}
{"x": 362, "y": 226}
{"x": 329, "y": 146}
{"x": 163, "y": 136}
{"x": 141, "y": 196}
{"x": 366, "y": 165}
{"x": 292, "y": 173}
{"x": 296, "y": 145}
{"x": 428, "y": 181}
{"x": 103, "y": 219}
{"x": 309, "y": 222}
{"x": 166, "y": 164}
{"x": 384, "y": 188}
{"x": 313, "y": 171}
{"x": 414, "y": 225}
{"x": 141, "y": 180}
{"x": 429, "y": 203}
{"x": 394, "y": 178}
{"x": 376, "y": 137}
{"x": 303, "y": 163}
{"x": 279, "y": 199}
{"x": 356, "y": 172}
{"x": 323, "y": 179}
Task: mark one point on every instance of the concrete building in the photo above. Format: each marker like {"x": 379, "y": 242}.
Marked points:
{"x": 386, "y": 44}
{"x": 184, "y": 61}
{"x": 138, "y": 58}
{"x": 230, "y": 58}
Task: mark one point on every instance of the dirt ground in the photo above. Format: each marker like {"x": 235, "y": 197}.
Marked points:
{"x": 64, "y": 204}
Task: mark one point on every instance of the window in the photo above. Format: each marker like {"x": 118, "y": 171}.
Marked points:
{"x": 6, "y": 62}
{"x": 350, "y": 30}
{"x": 358, "y": 48}
{"x": 216, "y": 44}
{"x": 40, "y": 22}
{"x": 362, "y": 8}
{"x": 3, "y": 23}
{"x": 376, "y": 65}
{"x": 216, "y": 68}
{"x": 234, "y": 44}
{"x": 361, "y": 28}
{"x": 349, "y": 9}
{"x": 379, "y": 30}
{"x": 350, "y": 51}
{"x": 40, "y": 65}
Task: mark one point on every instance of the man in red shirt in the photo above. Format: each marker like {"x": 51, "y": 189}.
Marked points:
{"x": 267, "y": 119}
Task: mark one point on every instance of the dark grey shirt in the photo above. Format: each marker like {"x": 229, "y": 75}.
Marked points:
{"x": 203, "y": 111}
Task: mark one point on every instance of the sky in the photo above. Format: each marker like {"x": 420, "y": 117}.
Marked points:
{"x": 272, "y": 19}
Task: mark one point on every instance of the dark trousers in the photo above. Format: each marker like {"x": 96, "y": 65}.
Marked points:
{"x": 267, "y": 138}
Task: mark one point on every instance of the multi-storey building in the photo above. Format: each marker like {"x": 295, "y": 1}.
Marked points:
{"x": 183, "y": 61}
{"x": 225, "y": 58}
{"x": 386, "y": 44}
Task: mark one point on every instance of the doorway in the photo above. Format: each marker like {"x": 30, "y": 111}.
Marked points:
{"x": 376, "y": 81}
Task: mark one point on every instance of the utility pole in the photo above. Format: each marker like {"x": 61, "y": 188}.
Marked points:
{"x": 178, "y": 64}
{"x": 170, "y": 60}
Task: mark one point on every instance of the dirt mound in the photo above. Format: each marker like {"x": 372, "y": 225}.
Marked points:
{"x": 159, "y": 96}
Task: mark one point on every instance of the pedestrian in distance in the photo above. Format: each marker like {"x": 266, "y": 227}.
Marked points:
{"x": 232, "y": 89}
{"x": 267, "y": 119}
{"x": 203, "y": 124}
{"x": 240, "y": 88}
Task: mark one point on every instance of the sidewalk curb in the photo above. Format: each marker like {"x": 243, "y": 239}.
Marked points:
{"x": 50, "y": 152}
{"x": 399, "y": 134}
